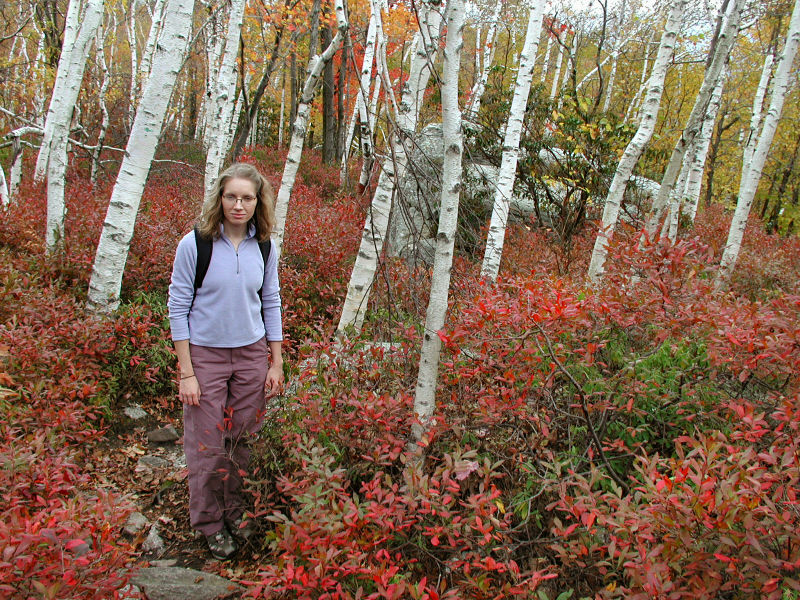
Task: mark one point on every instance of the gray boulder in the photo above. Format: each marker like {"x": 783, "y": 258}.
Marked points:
{"x": 176, "y": 583}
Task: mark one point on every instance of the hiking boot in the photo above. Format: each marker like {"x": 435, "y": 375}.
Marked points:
{"x": 243, "y": 528}
{"x": 221, "y": 544}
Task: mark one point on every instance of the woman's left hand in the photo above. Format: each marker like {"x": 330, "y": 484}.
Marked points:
{"x": 274, "y": 383}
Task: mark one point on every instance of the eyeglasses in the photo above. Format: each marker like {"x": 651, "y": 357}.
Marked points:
{"x": 232, "y": 199}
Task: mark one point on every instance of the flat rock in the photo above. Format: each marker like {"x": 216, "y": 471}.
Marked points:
{"x": 148, "y": 463}
{"x": 135, "y": 412}
{"x": 163, "y": 435}
{"x": 136, "y": 522}
{"x": 176, "y": 583}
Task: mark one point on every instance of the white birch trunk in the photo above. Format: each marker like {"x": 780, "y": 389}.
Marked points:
{"x": 725, "y": 41}
{"x": 218, "y": 122}
{"x": 557, "y": 74}
{"x": 282, "y": 122}
{"x": 39, "y": 75}
{"x": 57, "y": 162}
{"x": 610, "y": 88}
{"x": 15, "y": 172}
{"x": 694, "y": 180}
{"x": 751, "y": 173}
{"x": 474, "y": 106}
{"x": 362, "y": 98}
{"x": 156, "y": 24}
{"x": 4, "y": 197}
{"x": 758, "y": 110}
{"x": 633, "y": 107}
{"x": 59, "y": 109}
{"x": 115, "y": 239}
{"x": 546, "y": 62}
{"x": 635, "y": 148}
{"x": 508, "y": 164}
{"x": 215, "y": 46}
{"x": 376, "y": 224}
{"x": 133, "y": 44}
{"x": 366, "y": 165}
{"x": 425, "y": 398}
{"x": 315, "y": 66}
{"x": 101, "y": 99}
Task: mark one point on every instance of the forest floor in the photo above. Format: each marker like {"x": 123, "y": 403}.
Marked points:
{"x": 637, "y": 439}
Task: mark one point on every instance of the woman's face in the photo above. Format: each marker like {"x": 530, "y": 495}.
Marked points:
{"x": 238, "y": 201}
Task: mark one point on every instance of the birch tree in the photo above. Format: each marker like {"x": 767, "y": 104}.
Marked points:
{"x": 633, "y": 151}
{"x": 315, "y": 66}
{"x": 694, "y": 180}
{"x": 474, "y": 106}
{"x": 721, "y": 52}
{"x": 376, "y": 224}
{"x": 56, "y": 156}
{"x": 4, "y": 197}
{"x": 751, "y": 173}
{"x": 508, "y": 164}
{"x": 223, "y": 94}
{"x": 59, "y": 107}
{"x": 425, "y": 397}
{"x": 101, "y": 99}
{"x": 362, "y": 100}
{"x": 115, "y": 239}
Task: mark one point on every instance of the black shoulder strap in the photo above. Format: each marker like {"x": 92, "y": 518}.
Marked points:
{"x": 204, "y": 249}
{"x": 265, "y": 247}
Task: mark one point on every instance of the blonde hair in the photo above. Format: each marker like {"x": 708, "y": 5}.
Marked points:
{"x": 264, "y": 215}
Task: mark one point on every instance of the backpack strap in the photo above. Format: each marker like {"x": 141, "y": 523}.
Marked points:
{"x": 204, "y": 249}
{"x": 265, "y": 247}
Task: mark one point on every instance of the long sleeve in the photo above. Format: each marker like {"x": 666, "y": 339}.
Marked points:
{"x": 181, "y": 287}
{"x": 271, "y": 298}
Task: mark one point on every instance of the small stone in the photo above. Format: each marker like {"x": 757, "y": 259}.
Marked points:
{"x": 135, "y": 412}
{"x": 153, "y": 542}
{"x": 176, "y": 583}
{"x": 164, "y": 562}
{"x": 148, "y": 463}
{"x": 130, "y": 592}
{"x": 136, "y": 522}
{"x": 163, "y": 435}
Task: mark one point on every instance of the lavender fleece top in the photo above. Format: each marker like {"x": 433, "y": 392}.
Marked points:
{"x": 227, "y": 312}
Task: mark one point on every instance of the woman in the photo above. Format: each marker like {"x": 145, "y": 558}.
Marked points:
{"x": 221, "y": 330}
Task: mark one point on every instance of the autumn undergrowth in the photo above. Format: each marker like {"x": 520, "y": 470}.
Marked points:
{"x": 637, "y": 440}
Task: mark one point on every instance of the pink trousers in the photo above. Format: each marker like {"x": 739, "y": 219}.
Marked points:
{"x": 216, "y": 433}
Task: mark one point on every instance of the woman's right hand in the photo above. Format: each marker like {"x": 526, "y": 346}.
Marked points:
{"x": 189, "y": 391}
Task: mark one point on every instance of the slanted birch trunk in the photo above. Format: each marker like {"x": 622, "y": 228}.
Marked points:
{"x": 635, "y": 148}
{"x": 223, "y": 94}
{"x": 758, "y": 109}
{"x": 315, "y": 66}
{"x": 366, "y": 165}
{"x": 362, "y": 101}
{"x": 694, "y": 180}
{"x": 725, "y": 41}
{"x": 156, "y": 23}
{"x": 546, "y": 62}
{"x": 59, "y": 109}
{"x": 633, "y": 107}
{"x": 474, "y": 106}
{"x": 751, "y": 173}
{"x": 115, "y": 239}
{"x": 508, "y": 164}
{"x": 376, "y": 224}
{"x": 425, "y": 398}
{"x": 557, "y": 75}
{"x": 57, "y": 160}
